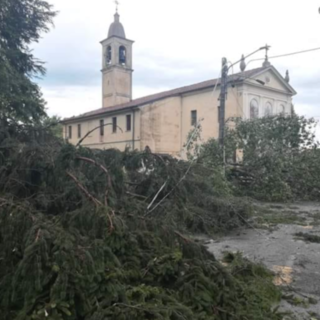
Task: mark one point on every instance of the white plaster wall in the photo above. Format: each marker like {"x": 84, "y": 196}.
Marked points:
{"x": 120, "y": 139}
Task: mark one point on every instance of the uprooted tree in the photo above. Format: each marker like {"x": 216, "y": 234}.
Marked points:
{"x": 91, "y": 234}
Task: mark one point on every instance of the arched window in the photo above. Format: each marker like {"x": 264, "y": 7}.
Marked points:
{"x": 109, "y": 54}
{"x": 282, "y": 109}
{"x": 268, "y": 110}
{"x": 122, "y": 55}
{"x": 254, "y": 109}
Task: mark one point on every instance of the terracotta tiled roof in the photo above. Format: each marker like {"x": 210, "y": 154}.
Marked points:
{"x": 166, "y": 94}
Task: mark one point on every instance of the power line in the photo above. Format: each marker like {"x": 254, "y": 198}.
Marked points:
{"x": 294, "y": 53}
{"x": 288, "y": 54}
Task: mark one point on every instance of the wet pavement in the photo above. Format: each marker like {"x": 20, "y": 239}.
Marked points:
{"x": 295, "y": 261}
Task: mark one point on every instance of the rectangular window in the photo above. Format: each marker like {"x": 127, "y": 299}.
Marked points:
{"x": 128, "y": 122}
{"x": 101, "y": 128}
{"x": 114, "y": 124}
{"x": 194, "y": 117}
{"x": 79, "y": 130}
{"x": 70, "y": 132}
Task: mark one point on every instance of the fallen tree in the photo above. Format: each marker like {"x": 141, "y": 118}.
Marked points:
{"x": 89, "y": 234}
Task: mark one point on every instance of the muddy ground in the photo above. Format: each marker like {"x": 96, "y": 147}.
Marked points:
{"x": 270, "y": 238}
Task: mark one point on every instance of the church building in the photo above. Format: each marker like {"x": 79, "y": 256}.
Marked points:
{"x": 162, "y": 121}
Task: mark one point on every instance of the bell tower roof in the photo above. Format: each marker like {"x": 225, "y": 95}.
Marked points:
{"x": 116, "y": 28}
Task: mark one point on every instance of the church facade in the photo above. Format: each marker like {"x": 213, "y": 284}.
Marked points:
{"x": 162, "y": 121}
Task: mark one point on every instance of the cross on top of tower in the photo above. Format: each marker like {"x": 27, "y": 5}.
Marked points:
{"x": 267, "y": 49}
{"x": 266, "y": 62}
{"x": 117, "y": 4}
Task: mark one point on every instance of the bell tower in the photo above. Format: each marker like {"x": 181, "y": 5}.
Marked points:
{"x": 116, "y": 66}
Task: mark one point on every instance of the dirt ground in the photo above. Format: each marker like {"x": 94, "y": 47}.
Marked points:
{"x": 271, "y": 238}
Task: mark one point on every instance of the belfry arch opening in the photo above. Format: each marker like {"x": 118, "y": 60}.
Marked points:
{"x": 122, "y": 55}
{"x": 109, "y": 55}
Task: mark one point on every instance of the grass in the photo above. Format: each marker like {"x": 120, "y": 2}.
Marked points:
{"x": 308, "y": 237}
{"x": 256, "y": 278}
{"x": 267, "y": 216}
{"x": 316, "y": 219}
{"x": 298, "y": 301}
{"x": 314, "y": 316}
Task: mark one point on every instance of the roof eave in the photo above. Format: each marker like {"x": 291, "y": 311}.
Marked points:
{"x": 98, "y": 115}
{"x": 116, "y": 37}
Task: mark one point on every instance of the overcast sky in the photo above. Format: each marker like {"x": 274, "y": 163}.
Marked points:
{"x": 177, "y": 42}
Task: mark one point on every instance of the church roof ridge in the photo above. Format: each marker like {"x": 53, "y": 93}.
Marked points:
{"x": 241, "y": 76}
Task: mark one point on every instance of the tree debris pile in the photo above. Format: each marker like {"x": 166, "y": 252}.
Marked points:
{"x": 94, "y": 235}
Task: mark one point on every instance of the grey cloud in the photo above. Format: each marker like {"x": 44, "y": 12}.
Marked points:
{"x": 70, "y": 77}
{"x": 308, "y": 83}
{"x": 157, "y": 71}
{"x": 151, "y": 71}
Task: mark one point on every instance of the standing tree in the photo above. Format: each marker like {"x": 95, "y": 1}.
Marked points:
{"x": 21, "y": 23}
{"x": 54, "y": 126}
{"x": 280, "y": 158}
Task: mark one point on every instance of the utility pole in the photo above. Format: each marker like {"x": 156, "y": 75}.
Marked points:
{"x": 223, "y": 96}
{"x": 223, "y": 92}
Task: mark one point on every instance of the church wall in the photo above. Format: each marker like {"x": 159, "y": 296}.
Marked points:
{"x": 165, "y": 124}
{"x": 264, "y": 95}
{"x": 206, "y": 104}
{"x": 119, "y": 139}
{"x": 160, "y": 125}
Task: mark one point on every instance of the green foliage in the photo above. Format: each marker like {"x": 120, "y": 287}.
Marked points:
{"x": 208, "y": 155}
{"x": 53, "y": 125}
{"x": 255, "y": 278}
{"x": 78, "y": 242}
{"x": 299, "y": 301}
{"x": 211, "y": 157}
{"x": 280, "y": 158}
{"x": 194, "y": 141}
{"x": 21, "y": 23}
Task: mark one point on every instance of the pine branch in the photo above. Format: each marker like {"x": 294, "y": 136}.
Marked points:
{"x": 107, "y": 124}
{"x": 84, "y": 190}
{"x": 104, "y": 169}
